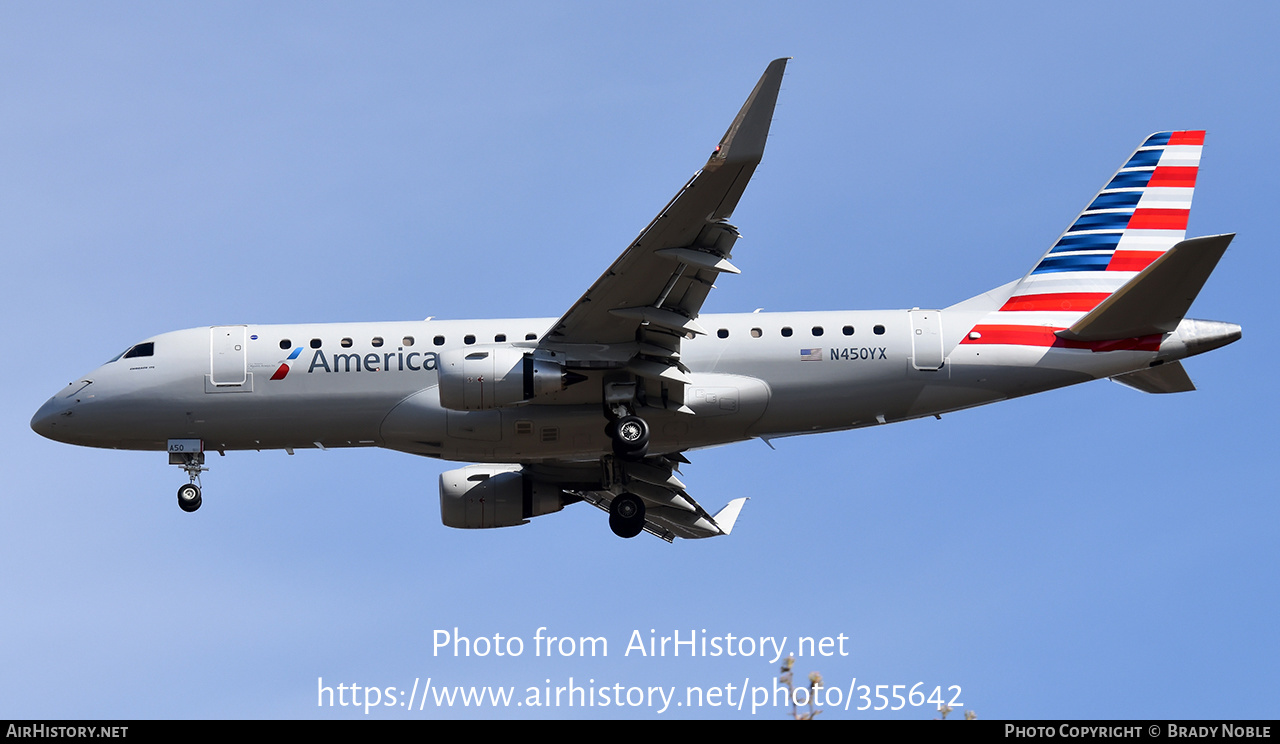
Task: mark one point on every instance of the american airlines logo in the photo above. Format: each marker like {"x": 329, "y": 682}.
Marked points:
{"x": 284, "y": 366}
{"x": 391, "y": 361}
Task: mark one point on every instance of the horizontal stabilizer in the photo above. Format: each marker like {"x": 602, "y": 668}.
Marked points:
{"x": 1156, "y": 300}
{"x": 1169, "y": 377}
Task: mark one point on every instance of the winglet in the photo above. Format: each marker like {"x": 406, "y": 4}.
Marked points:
{"x": 726, "y": 517}
{"x": 745, "y": 140}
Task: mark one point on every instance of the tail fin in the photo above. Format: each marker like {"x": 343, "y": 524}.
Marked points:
{"x": 1138, "y": 215}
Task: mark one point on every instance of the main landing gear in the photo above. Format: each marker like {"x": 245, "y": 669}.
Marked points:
{"x": 626, "y": 515}
{"x": 630, "y": 435}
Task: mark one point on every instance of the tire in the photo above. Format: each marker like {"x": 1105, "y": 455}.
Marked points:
{"x": 630, "y": 436}
{"x": 189, "y": 497}
{"x": 626, "y": 515}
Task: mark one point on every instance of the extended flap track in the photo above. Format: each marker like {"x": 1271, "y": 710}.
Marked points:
{"x": 673, "y": 315}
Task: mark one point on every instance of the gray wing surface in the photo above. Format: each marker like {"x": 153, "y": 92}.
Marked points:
{"x": 634, "y": 316}
{"x": 670, "y": 511}
{"x": 650, "y": 297}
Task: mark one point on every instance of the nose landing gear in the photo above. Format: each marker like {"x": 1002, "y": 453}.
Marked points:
{"x": 189, "y": 497}
{"x": 188, "y": 454}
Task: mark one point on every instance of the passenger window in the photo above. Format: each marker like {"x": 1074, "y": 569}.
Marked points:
{"x": 817, "y": 330}
{"x": 723, "y": 333}
{"x": 848, "y": 330}
{"x": 756, "y": 333}
{"x": 438, "y": 340}
{"x": 786, "y": 331}
{"x": 530, "y": 337}
{"x": 468, "y": 339}
{"x": 141, "y": 350}
{"x": 286, "y": 344}
{"x": 407, "y": 340}
{"x": 377, "y": 341}
{"x": 878, "y": 330}
{"x": 315, "y": 343}
{"x": 501, "y": 337}
{"x": 346, "y": 343}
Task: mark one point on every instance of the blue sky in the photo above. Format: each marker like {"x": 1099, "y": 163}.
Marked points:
{"x": 1091, "y": 552}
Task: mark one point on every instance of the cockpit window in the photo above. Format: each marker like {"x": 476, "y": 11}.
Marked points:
{"x": 141, "y": 350}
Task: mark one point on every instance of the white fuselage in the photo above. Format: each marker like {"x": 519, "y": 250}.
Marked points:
{"x": 375, "y": 384}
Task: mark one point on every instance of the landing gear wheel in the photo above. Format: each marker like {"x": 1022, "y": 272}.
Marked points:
{"x": 626, "y": 515}
{"x": 189, "y": 497}
{"x": 630, "y": 436}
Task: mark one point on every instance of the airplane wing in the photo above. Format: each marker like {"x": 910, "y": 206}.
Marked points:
{"x": 671, "y": 511}
{"x": 636, "y": 313}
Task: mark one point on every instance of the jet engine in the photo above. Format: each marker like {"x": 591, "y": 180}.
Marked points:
{"x": 481, "y": 496}
{"x": 478, "y": 378}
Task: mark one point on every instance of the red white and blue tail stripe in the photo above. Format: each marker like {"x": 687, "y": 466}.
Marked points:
{"x": 1138, "y": 215}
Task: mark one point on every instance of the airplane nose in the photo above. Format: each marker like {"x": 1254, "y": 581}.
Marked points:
{"x": 53, "y": 419}
{"x": 42, "y": 423}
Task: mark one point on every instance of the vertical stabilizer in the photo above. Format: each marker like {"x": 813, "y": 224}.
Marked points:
{"x": 1137, "y": 216}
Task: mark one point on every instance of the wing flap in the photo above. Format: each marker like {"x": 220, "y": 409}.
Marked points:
{"x": 661, "y": 520}
{"x": 670, "y": 511}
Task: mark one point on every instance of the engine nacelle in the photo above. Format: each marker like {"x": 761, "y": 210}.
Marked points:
{"x": 480, "y": 496}
{"x": 482, "y": 377}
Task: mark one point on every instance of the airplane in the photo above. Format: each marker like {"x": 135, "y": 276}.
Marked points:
{"x": 601, "y": 404}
